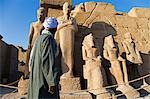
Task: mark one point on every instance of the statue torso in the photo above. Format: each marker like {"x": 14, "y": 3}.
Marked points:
{"x": 37, "y": 31}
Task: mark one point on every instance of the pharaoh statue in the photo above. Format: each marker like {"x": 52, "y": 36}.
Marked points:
{"x": 133, "y": 56}
{"x": 34, "y": 33}
{"x": 111, "y": 53}
{"x": 65, "y": 37}
{"x": 93, "y": 70}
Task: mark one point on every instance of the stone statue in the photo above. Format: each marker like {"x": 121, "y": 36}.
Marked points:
{"x": 93, "y": 70}
{"x": 132, "y": 54}
{"x": 35, "y": 31}
{"x": 111, "y": 53}
{"x": 134, "y": 57}
{"x": 65, "y": 36}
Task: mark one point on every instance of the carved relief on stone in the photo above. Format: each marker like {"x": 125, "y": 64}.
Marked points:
{"x": 65, "y": 37}
{"x": 93, "y": 70}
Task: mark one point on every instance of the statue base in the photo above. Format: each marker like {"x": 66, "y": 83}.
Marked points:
{"x": 70, "y": 84}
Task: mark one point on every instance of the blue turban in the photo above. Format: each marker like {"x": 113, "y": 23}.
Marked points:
{"x": 50, "y": 22}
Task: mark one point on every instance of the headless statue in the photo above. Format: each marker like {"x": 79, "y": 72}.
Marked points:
{"x": 65, "y": 36}
{"x": 34, "y": 33}
{"x": 111, "y": 53}
{"x": 133, "y": 56}
{"x": 93, "y": 70}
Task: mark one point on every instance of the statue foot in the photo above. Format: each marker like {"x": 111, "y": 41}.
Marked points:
{"x": 67, "y": 75}
{"x": 128, "y": 91}
{"x": 103, "y": 94}
{"x": 146, "y": 87}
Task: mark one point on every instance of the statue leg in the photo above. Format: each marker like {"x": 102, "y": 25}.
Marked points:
{"x": 66, "y": 62}
{"x": 117, "y": 72}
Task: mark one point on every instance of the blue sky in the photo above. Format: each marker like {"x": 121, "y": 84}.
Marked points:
{"x": 16, "y": 16}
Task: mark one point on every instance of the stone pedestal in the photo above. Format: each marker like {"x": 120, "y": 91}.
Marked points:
{"x": 79, "y": 95}
{"x": 70, "y": 84}
{"x": 23, "y": 86}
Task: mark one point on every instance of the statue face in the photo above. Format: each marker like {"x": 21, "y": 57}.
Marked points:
{"x": 41, "y": 14}
{"x": 90, "y": 41}
{"x": 110, "y": 41}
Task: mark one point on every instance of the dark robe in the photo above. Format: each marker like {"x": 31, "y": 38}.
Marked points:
{"x": 44, "y": 72}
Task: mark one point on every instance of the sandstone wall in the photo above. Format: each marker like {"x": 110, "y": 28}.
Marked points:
{"x": 8, "y": 62}
{"x": 55, "y": 2}
{"x": 101, "y": 19}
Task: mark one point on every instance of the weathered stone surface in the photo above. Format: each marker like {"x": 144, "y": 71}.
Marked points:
{"x": 70, "y": 84}
{"x": 140, "y": 12}
{"x": 8, "y": 62}
{"x": 23, "y": 86}
{"x": 52, "y": 12}
{"x": 90, "y": 6}
{"x": 78, "y": 95}
{"x": 104, "y": 8}
{"x": 55, "y": 2}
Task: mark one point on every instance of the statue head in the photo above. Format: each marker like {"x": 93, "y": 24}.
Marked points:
{"x": 109, "y": 42}
{"x": 66, "y": 8}
{"x": 88, "y": 41}
{"x": 41, "y": 14}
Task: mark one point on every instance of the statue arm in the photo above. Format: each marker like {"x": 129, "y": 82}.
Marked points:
{"x": 31, "y": 32}
{"x": 126, "y": 48}
{"x": 121, "y": 59}
{"x": 105, "y": 54}
{"x": 61, "y": 25}
{"x": 84, "y": 54}
{"x": 139, "y": 56}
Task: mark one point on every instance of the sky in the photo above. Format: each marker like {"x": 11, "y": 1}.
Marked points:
{"x": 16, "y": 16}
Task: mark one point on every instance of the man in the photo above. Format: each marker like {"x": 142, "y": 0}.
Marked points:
{"x": 35, "y": 31}
{"x": 44, "y": 75}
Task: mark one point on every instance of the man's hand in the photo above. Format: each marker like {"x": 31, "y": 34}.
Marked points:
{"x": 52, "y": 89}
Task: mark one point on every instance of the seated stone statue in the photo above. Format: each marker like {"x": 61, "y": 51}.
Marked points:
{"x": 65, "y": 38}
{"x": 93, "y": 70}
{"x": 111, "y": 53}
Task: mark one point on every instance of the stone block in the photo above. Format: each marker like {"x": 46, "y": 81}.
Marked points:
{"x": 81, "y": 17}
{"x": 125, "y": 21}
{"x": 142, "y": 23}
{"x": 70, "y": 84}
{"x": 78, "y": 95}
{"x": 139, "y": 12}
{"x": 55, "y": 2}
{"x": 104, "y": 7}
{"x": 54, "y": 12}
{"x": 89, "y": 6}
{"x": 23, "y": 86}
